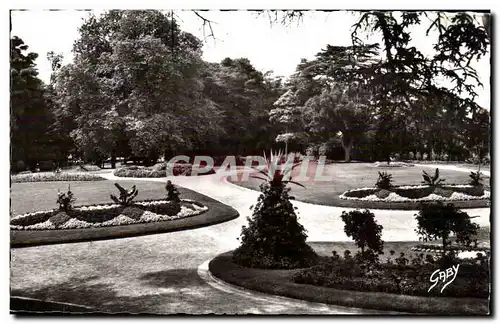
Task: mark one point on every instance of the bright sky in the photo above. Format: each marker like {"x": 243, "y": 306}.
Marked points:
{"x": 239, "y": 34}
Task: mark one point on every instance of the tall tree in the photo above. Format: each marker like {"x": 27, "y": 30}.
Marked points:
{"x": 30, "y": 119}
{"x": 134, "y": 87}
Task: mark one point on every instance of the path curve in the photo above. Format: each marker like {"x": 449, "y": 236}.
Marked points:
{"x": 158, "y": 274}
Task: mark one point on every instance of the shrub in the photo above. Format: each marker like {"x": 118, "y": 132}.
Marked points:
{"x": 159, "y": 166}
{"x": 172, "y": 192}
{"x": 52, "y": 176}
{"x": 364, "y": 230}
{"x": 20, "y": 166}
{"x": 403, "y": 277}
{"x": 274, "y": 238}
{"x": 170, "y": 209}
{"x": 125, "y": 197}
{"x": 139, "y": 173}
{"x": 384, "y": 180}
{"x": 439, "y": 221}
{"x": 432, "y": 180}
{"x": 65, "y": 200}
{"x": 476, "y": 178}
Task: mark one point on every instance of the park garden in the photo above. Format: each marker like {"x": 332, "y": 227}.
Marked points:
{"x": 348, "y": 183}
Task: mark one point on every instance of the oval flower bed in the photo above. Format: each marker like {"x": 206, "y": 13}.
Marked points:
{"x": 421, "y": 193}
{"x": 92, "y": 216}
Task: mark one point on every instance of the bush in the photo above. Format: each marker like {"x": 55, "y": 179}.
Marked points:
{"x": 439, "y": 221}
{"x": 139, "y": 173}
{"x": 364, "y": 230}
{"x": 384, "y": 180}
{"x": 172, "y": 192}
{"x": 65, "y": 200}
{"x": 432, "y": 180}
{"x": 20, "y": 166}
{"x": 274, "y": 238}
{"x": 52, "y": 176}
{"x": 414, "y": 193}
{"x": 170, "y": 209}
{"x": 405, "y": 276}
{"x": 159, "y": 170}
{"x": 476, "y": 178}
{"x": 126, "y": 196}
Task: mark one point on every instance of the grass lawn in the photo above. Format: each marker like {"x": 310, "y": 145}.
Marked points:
{"x": 30, "y": 197}
{"x": 347, "y": 176}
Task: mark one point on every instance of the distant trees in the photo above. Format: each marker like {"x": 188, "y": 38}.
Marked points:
{"x": 138, "y": 87}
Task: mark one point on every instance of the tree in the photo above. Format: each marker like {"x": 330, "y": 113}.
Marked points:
{"x": 134, "y": 87}
{"x": 30, "y": 118}
{"x": 438, "y": 221}
{"x": 364, "y": 230}
{"x": 339, "y": 110}
{"x": 244, "y": 97}
{"x": 274, "y": 238}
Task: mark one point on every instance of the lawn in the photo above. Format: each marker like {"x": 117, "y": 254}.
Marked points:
{"x": 347, "y": 176}
{"x": 30, "y": 197}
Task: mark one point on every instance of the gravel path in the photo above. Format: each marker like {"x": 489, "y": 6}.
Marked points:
{"x": 160, "y": 273}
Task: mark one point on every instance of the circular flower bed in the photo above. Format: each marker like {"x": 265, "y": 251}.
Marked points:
{"x": 92, "y": 216}
{"x": 422, "y": 193}
{"x": 391, "y": 165}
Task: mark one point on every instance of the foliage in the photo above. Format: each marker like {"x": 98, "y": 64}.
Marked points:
{"x": 278, "y": 168}
{"x": 364, "y": 230}
{"x": 52, "y": 176}
{"x": 274, "y": 238}
{"x": 439, "y": 221}
{"x": 172, "y": 192}
{"x": 432, "y": 180}
{"x": 32, "y": 138}
{"x": 476, "y": 178}
{"x": 138, "y": 173}
{"x": 65, "y": 199}
{"x": 405, "y": 276}
{"x": 384, "y": 180}
{"x": 125, "y": 197}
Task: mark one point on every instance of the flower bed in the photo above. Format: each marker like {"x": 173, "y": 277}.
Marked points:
{"x": 93, "y": 216}
{"x": 391, "y": 165}
{"x": 54, "y": 176}
{"x": 418, "y": 194}
{"x": 400, "y": 277}
{"x": 157, "y": 171}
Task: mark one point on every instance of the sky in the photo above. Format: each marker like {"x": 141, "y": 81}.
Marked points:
{"x": 269, "y": 47}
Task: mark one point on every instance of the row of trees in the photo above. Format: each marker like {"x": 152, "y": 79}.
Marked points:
{"x": 376, "y": 102}
{"x": 138, "y": 86}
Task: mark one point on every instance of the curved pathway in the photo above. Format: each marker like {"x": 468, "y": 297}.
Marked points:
{"x": 158, "y": 274}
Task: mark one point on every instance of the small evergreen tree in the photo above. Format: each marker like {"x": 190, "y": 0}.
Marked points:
{"x": 274, "y": 238}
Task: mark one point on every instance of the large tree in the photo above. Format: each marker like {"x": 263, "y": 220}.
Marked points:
{"x": 134, "y": 87}
{"x": 32, "y": 140}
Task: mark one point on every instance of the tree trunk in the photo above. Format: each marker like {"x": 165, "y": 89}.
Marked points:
{"x": 113, "y": 160}
{"x": 347, "y": 145}
{"x": 348, "y": 149}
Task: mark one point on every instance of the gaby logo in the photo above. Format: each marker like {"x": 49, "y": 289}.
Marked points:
{"x": 442, "y": 276}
